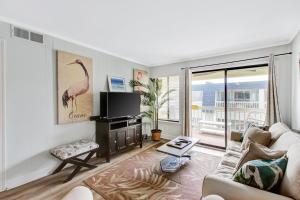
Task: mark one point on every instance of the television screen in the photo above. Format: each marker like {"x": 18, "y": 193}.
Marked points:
{"x": 119, "y": 104}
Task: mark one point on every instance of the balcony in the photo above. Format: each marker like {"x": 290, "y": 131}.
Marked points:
{"x": 208, "y": 122}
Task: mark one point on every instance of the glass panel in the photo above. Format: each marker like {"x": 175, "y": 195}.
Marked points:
{"x": 248, "y": 104}
{"x": 174, "y": 98}
{"x": 208, "y": 112}
{"x": 163, "y": 111}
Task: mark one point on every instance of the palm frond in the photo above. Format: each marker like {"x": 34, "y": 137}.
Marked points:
{"x": 147, "y": 102}
{"x": 147, "y": 114}
{"x": 152, "y": 97}
{"x": 148, "y": 95}
{"x": 162, "y": 102}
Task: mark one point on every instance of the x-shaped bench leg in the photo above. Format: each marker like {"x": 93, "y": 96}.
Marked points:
{"x": 60, "y": 167}
{"x": 80, "y": 163}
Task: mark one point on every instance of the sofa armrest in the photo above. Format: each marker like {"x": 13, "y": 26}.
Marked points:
{"x": 230, "y": 190}
{"x": 236, "y": 136}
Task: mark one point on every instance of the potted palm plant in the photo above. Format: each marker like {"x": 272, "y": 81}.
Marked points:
{"x": 153, "y": 99}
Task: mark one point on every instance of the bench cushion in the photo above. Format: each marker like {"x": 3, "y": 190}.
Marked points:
{"x": 66, "y": 151}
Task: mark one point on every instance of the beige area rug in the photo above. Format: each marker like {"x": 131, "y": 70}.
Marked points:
{"x": 140, "y": 177}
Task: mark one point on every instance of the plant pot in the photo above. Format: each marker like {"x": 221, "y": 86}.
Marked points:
{"x": 156, "y": 134}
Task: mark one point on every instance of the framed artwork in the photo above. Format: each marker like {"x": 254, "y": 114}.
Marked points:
{"x": 116, "y": 84}
{"x": 141, "y": 76}
{"x": 74, "y": 87}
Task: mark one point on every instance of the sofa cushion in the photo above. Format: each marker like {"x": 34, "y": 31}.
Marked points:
{"x": 228, "y": 163}
{"x": 258, "y": 151}
{"x": 262, "y": 174}
{"x": 290, "y": 185}
{"x": 257, "y": 135}
{"x": 277, "y": 130}
{"x": 285, "y": 141}
{"x": 225, "y": 171}
{"x": 234, "y": 146}
{"x": 230, "y": 160}
{"x": 234, "y": 153}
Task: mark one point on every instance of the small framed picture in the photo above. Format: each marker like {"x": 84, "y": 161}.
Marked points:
{"x": 116, "y": 84}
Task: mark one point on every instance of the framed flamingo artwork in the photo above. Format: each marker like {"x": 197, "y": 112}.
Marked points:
{"x": 74, "y": 87}
{"x": 141, "y": 76}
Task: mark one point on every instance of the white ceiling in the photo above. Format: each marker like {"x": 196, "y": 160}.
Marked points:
{"x": 156, "y": 32}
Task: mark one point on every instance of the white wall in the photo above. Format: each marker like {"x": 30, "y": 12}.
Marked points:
{"x": 2, "y": 114}
{"x": 295, "y": 115}
{"x": 283, "y": 63}
{"x": 31, "y": 128}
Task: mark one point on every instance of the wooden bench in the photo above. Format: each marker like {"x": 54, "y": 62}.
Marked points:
{"x": 69, "y": 153}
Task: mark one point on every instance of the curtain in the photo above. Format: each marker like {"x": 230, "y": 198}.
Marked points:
{"x": 273, "y": 112}
{"x": 187, "y": 102}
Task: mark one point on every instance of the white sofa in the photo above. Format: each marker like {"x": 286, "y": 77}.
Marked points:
{"x": 221, "y": 182}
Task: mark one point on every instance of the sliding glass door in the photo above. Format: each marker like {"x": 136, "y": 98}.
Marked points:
{"x": 208, "y": 119}
{"x": 225, "y": 100}
{"x": 246, "y": 97}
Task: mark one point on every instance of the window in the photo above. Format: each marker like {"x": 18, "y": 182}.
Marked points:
{"x": 239, "y": 95}
{"x": 246, "y": 95}
{"x": 242, "y": 96}
{"x": 170, "y": 110}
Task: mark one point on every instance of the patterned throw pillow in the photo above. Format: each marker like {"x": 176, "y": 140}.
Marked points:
{"x": 262, "y": 174}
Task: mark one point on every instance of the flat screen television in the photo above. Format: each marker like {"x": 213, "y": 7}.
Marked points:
{"x": 119, "y": 104}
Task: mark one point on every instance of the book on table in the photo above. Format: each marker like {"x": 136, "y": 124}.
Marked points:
{"x": 179, "y": 143}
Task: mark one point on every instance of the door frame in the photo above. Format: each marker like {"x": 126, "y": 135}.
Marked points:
{"x": 2, "y": 115}
{"x": 225, "y": 95}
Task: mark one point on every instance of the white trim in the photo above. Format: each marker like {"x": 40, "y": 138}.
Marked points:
{"x": 2, "y": 115}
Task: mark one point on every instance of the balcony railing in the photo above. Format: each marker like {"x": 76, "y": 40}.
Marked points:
{"x": 211, "y": 120}
{"x": 238, "y": 104}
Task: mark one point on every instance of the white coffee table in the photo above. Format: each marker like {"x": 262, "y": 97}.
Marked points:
{"x": 178, "y": 157}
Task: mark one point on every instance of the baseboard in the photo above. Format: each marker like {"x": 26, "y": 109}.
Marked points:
{"x": 33, "y": 176}
{"x": 28, "y": 177}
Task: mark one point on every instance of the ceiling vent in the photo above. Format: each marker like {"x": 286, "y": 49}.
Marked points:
{"x": 21, "y": 33}
{"x": 27, "y": 35}
{"x": 36, "y": 37}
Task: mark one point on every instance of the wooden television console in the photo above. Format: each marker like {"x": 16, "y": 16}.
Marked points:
{"x": 115, "y": 136}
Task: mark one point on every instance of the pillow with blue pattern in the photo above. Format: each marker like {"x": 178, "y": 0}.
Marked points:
{"x": 262, "y": 174}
